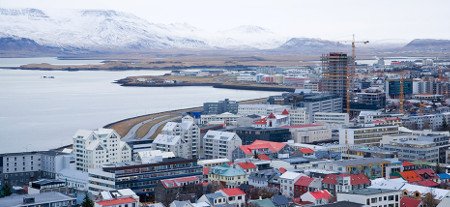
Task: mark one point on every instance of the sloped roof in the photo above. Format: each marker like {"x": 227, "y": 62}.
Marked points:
{"x": 272, "y": 116}
{"x": 273, "y": 147}
{"x": 226, "y": 171}
{"x": 409, "y": 202}
{"x": 263, "y": 157}
{"x": 407, "y": 164}
{"x": 355, "y": 179}
{"x": 233, "y": 191}
{"x": 444, "y": 176}
{"x": 285, "y": 112}
{"x": 304, "y": 181}
{"x": 428, "y": 171}
{"x": 410, "y": 176}
{"x": 321, "y": 194}
{"x": 427, "y": 183}
{"x": 306, "y": 150}
{"x": 116, "y": 201}
{"x": 247, "y": 165}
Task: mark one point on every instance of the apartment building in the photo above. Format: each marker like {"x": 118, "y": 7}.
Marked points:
{"x": 94, "y": 148}
{"x": 368, "y": 135}
{"x": 181, "y": 138}
{"x": 298, "y": 115}
{"x": 18, "y": 169}
{"x": 220, "y": 144}
{"x": 287, "y": 182}
{"x": 220, "y": 107}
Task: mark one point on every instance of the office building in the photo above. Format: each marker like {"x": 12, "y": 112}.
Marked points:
{"x": 372, "y": 197}
{"x": 368, "y": 135}
{"x": 220, "y": 107}
{"x": 336, "y": 68}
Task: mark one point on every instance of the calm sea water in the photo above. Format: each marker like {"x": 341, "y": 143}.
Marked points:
{"x": 38, "y": 113}
{"x": 16, "y": 62}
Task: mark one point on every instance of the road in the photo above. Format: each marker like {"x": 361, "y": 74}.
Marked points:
{"x": 132, "y": 133}
{"x": 156, "y": 126}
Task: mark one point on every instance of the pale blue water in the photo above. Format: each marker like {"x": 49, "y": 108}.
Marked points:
{"x": 17, "y": 62}
{"x": 38, "y": 114}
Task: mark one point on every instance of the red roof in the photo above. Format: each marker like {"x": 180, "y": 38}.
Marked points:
{"x": 407, "y": 164}
{"x": 282, "y": 170}
{"x": 272, "y": 116}
{"x": 263, "y": 157}
{"x": 247, "y": 165}
{"x": 116, "y": 201}
{"x": 321, "y": 194}
{"x": 304, "y": 181}
{"x": 261, "y": 121}
{"x": 261, "y": 144}
{"x": 177, "y": 182}
{"x": 306, "y": 150}
{"x": 409, "y": 202}
{"x": 427, "y": 171}
{"x": 285, "y": 112}
{"x": 410, "y": 176}
{"x": 355, "y": 179}
{"x": 233, "y": 191}
{"x": 427, "y": 183}
{"x": 205, "y": 171}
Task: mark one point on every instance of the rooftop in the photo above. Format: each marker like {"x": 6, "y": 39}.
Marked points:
{"x": 371, "y": 191}
{"x": 41, "y": 198}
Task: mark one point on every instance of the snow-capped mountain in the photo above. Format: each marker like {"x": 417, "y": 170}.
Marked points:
{"x": 108, "y": 29}
{"x": 92, "y": 29}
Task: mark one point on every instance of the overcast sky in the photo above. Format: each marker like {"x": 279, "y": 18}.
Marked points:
{"x": 326, "y": 19}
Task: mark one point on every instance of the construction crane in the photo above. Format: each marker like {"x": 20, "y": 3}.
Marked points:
{"x": 351, "y": 70}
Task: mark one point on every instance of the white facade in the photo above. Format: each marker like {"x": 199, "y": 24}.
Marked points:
{"x": 372, "y": 197}
{"x": 260, "y": 109}
{"x": 183, "y": 138}
{"x": 226, "y": 118}
{"x": 308, "y": 133}
{"x": 287, "y": 181}
{"x": 92, "y": 149}
{"x": 298, "y": 116}
{"x": 365, "y": 135}
{"x": 331, "y": 118}
{"x": 220, "y": 144}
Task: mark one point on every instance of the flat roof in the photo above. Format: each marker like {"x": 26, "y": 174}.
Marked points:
{"x": 41, "y": 198}
{"x": 370, "y": 191}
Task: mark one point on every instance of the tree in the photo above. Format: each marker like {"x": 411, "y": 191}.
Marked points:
{"x": 87, "y": 202}
{"x": 6, "y": 190}
{"x": 429, "y": 201}
{"x": 438, "y": 166}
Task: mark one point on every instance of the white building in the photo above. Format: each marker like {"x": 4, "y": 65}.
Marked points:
{"x": 308, "y": 133}
{"x": 331, "y": 118}
{"x": 369, "y": 135}
{"x": 118, "y": 198}
{"x": 220, "y": 144}
{"x": 273, "y": 120}
{"x": 226, "y": 118}
{"x": 181, "y": 138}
{"x": 260, "y": 109}
{"x": 287, "y": 181}
{"x": 92, "y": 149}
{"x": 298, "y": 116}
{"x": 372, "y": 197}
{"x": 246, "y": 77}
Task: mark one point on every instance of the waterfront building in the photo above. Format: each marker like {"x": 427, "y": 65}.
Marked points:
{"x": 260, "y": 109}
{"x": 94, "y": 148}
{"x": 372, "y": 197}
{"x": 17, "y": 169}
{"x": 220, "y": 107}
{"x": 41, "y": 199}
{"x": 226, "y": 118}
{"x": 141, "y": 177}
{"x": 309, "y": 133}
{"x": 220, "y": 144}
{"x": 368, "y": 135}
{"x": 183, "y": 138}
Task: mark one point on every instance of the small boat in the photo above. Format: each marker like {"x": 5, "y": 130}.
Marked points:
{"x": 48, "y": 76}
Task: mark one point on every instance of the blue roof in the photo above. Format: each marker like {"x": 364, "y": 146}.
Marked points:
{"x": 228, "y": 171}
{"x": 444, "y": 176}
